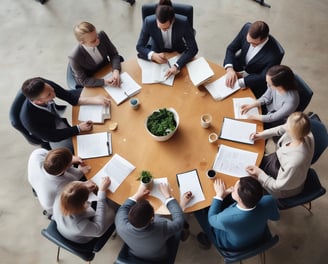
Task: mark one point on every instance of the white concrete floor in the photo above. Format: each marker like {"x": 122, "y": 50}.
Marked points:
{"x": 35, "y": 41}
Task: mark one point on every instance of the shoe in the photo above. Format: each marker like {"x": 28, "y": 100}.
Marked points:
{"x": 203, "y": 241}
{"x": 184, "y": 234}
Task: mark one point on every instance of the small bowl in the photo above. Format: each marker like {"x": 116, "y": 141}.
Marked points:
{"x": 168, "y": 136}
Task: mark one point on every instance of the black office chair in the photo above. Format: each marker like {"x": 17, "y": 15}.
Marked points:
{"x": 14, "y": 116}
{"x": 305, "y": 93}
{"x": 259, "y": 249}
{"x": 320, "y": 135}
{"x": 280, "y": 48}
{"x": 85, "y": 251}
{"x": 312, "y": 190}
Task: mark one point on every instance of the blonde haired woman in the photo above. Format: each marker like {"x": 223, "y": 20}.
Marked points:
{"x": 76, "y": 219}
{"x": 283, "y": 173}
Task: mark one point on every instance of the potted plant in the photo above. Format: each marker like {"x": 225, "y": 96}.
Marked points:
{"x": 146, "y": 178}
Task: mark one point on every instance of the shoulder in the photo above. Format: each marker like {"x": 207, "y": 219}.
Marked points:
{"x": 76, "y": 51}
{"x": 266, "y": 201}
{"x": 150, "y": 20}
{"x": 39, "y": 153}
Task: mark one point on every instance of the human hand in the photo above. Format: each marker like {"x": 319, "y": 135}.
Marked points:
{"x": 84, "y": 168}
{"x": 141, "y": 192}
{"x": 90, "y": 185}
{"x": 105, "y": 182}
{"x": 165, "y": 190}
{"x": 101, "y": 100}
{"x": 186, "y": 198}
{"x": 159, "y": 58}
{"x": 86, "y": 126}
{"x": 255, "y": 136}
{"x": 220, "y": 189}
{"x": 253, "y": 171}
{"x": 231, "y": 77}
{"x": 76, "y": 160}
{"x": 245, "y": 108}
{"x": 171, "y": 71}
{"x": 114, "y": 80}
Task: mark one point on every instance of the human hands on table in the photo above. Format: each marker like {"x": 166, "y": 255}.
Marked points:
{"x": 105, "y": 183}
{"x": 165, "y": 190}
{"x": 185, "y": 199}
{"x": 91, "y": 185}
{"x": 220, "y": 189}
{"x": 159, "y": 58}
{"x": 114, "y": 80}
{"x": 84, "y": 168}
{"x": 76, "y": 160}
{"x": 86, "y": 126}
{"x": 256, "y": 136}
{"x": 231, "y": 77}
{"x": 142, "y": 192}
{"x": 253, "y": 171}
{"x": 171, "y": 71}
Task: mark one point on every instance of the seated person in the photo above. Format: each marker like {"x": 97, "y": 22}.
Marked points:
{"x": 76, "y": 219}
{"x": 283, "y": 172}
{"x": 241, "y": 224}
{"x": 280, "y": 99}
{"x": 145, "y": 233}
{"x": 41, "y": 117}
{"x": 94, "y": 51}
{"x": 258, "y": 52}
{"x": 50, "y": 171}
{"x": 167, "y": 32}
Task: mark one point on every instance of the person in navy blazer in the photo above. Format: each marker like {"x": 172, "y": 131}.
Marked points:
{"x": 258, "y": 52}
{"x": 181, "y": 34}
{"x": 41, "y": 116}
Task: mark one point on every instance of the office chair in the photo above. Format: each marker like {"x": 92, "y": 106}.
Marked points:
{"x": 320, "y": 135}
{"x": 85, "y": 251}
{"x": 280, "y": 48}
{"x": 14, "y": 116}
{"x": 259, "y": 249}
{"x": 312, "y": 190}
{"x": 305, "y": 93}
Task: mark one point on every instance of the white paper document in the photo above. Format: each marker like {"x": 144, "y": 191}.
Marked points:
{"x": 155, "y": 191}
{"x": 233, "y": 161}
{"x": 117, "y": 169}
{"x": 219, "y": 90}
{"x": 189, "y": 181}
{"x": 94, "y": 145}
{"x": 238, "y": 102}
{"x": 199, "y": 71}
{"x": 95, "y": 113}
{"x": 236, "y": 130}
{"x": 128, "y": 88}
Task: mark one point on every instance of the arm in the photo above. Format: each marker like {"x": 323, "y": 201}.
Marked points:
{"x": 142, "y": 45}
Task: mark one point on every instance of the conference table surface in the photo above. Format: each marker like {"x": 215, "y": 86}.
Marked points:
{"x": 189, "y": 147}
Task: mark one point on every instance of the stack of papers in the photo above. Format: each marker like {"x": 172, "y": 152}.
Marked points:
{"x": 233, "y": 161}
{"x": 199, "y": 71}
{"x": 219, "y": 90}
{"x": 238, "y": 131}
{"x": 117, "y": 169}
{"x": 94, "y": 145}
{"x": 95, "y": 113}
{"x": 238, "y": 102}
{"x": 129, "y": 88}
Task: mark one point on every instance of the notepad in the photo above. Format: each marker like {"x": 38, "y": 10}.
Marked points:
{"x": 219, "y": 90}
{"x": 199, "y": 71}
{"x": 155, "y": 191}
{"x": 95, "y": 113}
{"x": 128, "y": 88}
{"x": 117, "y": 169}
{"x": 94, "y": 145}
{"x": 233, "y": 161}
{"x": 238, "y": 102}
{"x": 238, "y": 131}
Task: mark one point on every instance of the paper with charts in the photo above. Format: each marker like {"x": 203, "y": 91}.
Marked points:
{"x": 233, "y": 161}
{"x": 153, "y": 72}
{"x": 189, "y": 181}
{"x": 238, "y": 131}
{"x": 128, "y": 88}
{"x": 219, "y": 90}
{"x": 199, "y": 71}
{"x": 238, "y": 102}
{"x": 94, "y": 145}
{"x": 117, "y": 168}
{"x": 95, "y": 113}
{"x": 155, "y": 191}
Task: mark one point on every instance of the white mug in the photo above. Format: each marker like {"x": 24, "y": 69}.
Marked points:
{"x": 134, "y": 103}
{"x": 212, "y": 137}
{"x": 205, "y": 120}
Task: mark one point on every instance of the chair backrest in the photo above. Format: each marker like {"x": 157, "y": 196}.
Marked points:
{"x": 312, "y": 190}
{"x": 125, "y": 258}
{"x": 14, "y": 116}
{"x": 180, "y": 9}
{"x": 305, "y": 93}
{"x": 280, "y": 48}
{"x": 320, "y": 135}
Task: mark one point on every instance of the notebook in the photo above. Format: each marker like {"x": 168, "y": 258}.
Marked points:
{"x": 199, "y": 71}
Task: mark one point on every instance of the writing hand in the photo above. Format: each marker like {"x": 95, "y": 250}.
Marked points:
{"x": 231, "y": 77}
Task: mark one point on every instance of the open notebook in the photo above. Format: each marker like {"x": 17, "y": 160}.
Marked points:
{"x": 219, "y": 90}
{"x": 94, "y": 145}
{"x": 199, "y": 71}
{"x": 95, "y": 113}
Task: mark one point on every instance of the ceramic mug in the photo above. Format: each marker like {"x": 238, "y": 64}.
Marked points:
{"x": 212, "y": 137}
{"x": 211, "y": 174}
{"x": 205, "y": 120}
{"x": 134, "y": 103}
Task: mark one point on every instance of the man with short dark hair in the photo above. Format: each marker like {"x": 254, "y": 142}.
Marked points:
{"x": 241, "y": 224}
{"x": 257, "y": 51}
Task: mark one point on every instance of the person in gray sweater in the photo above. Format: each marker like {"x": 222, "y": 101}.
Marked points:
{"x": 284, "y": 172}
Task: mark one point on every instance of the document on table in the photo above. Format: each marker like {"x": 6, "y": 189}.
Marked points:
{"x": 117, "y": 169}
{"x": 238, "y": 131}
{"x": 128, "y": 88}
{"x": 238, "y": 102}
{"x": 95, "y": 113}
{"x": 199, "y": 71}
{"x": 189, "y": 181}
{"x": 94, "y": 145}
{"x": 153, "y": 72}
{"x": 233, "y": 161}
{"x": 219, "y": 90}
{"x": 155, "y": 191}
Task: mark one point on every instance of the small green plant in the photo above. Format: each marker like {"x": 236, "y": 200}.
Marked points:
{"x": 145, "y": 177}
{"x": 161, "y": 122}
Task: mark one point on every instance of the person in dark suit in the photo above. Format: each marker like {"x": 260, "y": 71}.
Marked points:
{"x": 94, "y": 51}
{"x": 167, "y": 32}
{"x": 258, "y": 52}
{"x": 41, "y": 116}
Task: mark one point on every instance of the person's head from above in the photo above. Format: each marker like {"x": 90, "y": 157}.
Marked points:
{"x": 247, "y": 192}
{"x": 141, "y": 214}
{"x": 281, "y": 77}
{"x": 58, "y": 161}
{"x": 38, "y": 91}
{"x": 298, "y": 125}
{"x": 86, "y": 34}
{"x": 258, "y": 32}
{"x": 74, "y": 197}
{"x": 164, "y": 15}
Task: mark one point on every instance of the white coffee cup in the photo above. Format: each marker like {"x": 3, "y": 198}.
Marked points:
{"x": 212, "y": 137}
{"x": 205, "y": 120}
{"x": 134, "y": 103}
